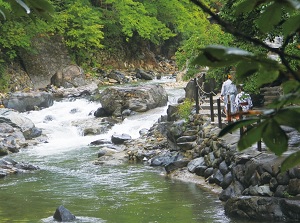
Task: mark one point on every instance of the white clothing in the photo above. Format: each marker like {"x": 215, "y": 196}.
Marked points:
{"x": 244, "y": 101}
{"x": 229, "y": 89}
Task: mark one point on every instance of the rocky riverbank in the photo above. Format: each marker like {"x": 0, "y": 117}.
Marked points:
{"x": 250, "y": 182}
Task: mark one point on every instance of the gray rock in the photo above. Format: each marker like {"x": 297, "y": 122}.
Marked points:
{"x": 137, "y": 98}
{"x": 62, "y": 214}
{"x": 120, "y": 138}
{"x": 22, "y": 101}
{"x": 68, "y": 77}
{"x": 193, "y": 164}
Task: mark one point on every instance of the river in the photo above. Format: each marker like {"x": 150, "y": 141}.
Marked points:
{"x": 112, "y": 194}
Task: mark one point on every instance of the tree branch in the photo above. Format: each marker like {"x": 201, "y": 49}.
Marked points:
{"x": 258, "y": 42}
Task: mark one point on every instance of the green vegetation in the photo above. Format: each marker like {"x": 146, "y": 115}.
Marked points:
{"x": 185, "y": 108}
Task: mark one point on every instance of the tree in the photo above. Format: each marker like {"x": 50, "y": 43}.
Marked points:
{"x": 275, "y": 17}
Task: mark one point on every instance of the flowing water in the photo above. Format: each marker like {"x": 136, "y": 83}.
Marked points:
{"x": 113, "y": 194}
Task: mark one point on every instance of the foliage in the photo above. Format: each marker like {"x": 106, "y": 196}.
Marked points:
{"x": 275, "y": 17}
{"x": 185, "y": 108}
{"x": 4, "y": 79}
{"x": 80, "y": 25}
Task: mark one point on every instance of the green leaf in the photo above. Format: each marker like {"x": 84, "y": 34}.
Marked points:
{"x": 236, "y": 125}
{"x": 289, "y": 117}
{"x": 266, "y": 76}
{"x": 291, "y": 161}
{"x": 21, "y": 3}
{"x": 270, "y": 17}
{"x": 251, "y": 136}
{"x": 275, "y": 138}
{"x": 290, "y": 86}
{"x": 218, "y": 56}
{"x": 291, "y": 25}
{"x": 287, "y": 99}
{"x": 245, "y": 7}
{"x": 2, "y": 13}
{"x": 294, "y": 4}
{"x": 245, "y": 69}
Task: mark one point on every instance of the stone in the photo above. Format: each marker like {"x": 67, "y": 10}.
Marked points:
{"x": 68, "y": 77}
{"x": 136, "y": 98}
{"x": 120, "y": 138}
{"x": 193, "y": 164}
{"x": 62, "y": 214}
{"x": 28, "y": 101}
{"x": 294, "y": 187}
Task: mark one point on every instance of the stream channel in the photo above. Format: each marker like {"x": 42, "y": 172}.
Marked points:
{"x": 130, "y": 193}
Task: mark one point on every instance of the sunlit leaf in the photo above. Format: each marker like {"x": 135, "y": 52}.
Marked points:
{"x": 251, "y": 136}
{"x": 270, "y": 17}
{"x": 294, "y": 4}
{"x": 218, "y": 56}
{"x": 275, "y": 138}
{"x": 21, "y": 3}
{"x": 2, "y": 13}
{"x": 236, "y": 125}
{"x": 291, "y": 161}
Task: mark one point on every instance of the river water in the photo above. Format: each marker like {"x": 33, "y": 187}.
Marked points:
{"x": 113, "y": 194}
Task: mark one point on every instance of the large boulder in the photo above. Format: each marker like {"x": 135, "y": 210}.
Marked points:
{"x": 16, "y": 120}
{"x": 70, "y": 76}
{"x": 26, "y": 101}
{"x": 49, "y": 55}
{"x": 137, "y": 98}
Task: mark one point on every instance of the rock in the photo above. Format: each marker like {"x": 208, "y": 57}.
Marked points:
{"x": 141, "y": 74}
{"x": 263, "y": 208}
{"x": 50, "y": 55}
{"x": 10, "y": 166}
{"x": 101, "y": 112}
{"x": 68, "y": 77}
{"x": 118, "y": 76}
{"x": 63, "y": 215}
{"x": 137, "y": 98}
{"x": 193, "y": 164}
{"x": 176, "y": 165}
{"x": 294, "y": 187}
{"x": 16, "y": 120}
{"x": 23, "y": 101}
{"x": 84, "y": 90}
{"x": 120, "y": 138}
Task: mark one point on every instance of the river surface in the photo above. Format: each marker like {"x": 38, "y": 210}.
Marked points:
{"x": 112, "y": 194}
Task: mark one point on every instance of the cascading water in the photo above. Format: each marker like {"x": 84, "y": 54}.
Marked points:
{"x": 116, "y": 194}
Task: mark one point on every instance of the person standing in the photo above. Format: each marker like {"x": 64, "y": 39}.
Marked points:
{"x": 228, "y": 93}
{"x": 243, "y": 100}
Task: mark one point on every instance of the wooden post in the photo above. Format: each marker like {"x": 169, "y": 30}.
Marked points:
{"x": 228, "y": 109}
{"x": 219, "y": 112}
{"x": 240, "y": 117}
{"x": 197, "y": 96}
{"x": 211, "y": 101}
{"x": 259, "y": 142}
